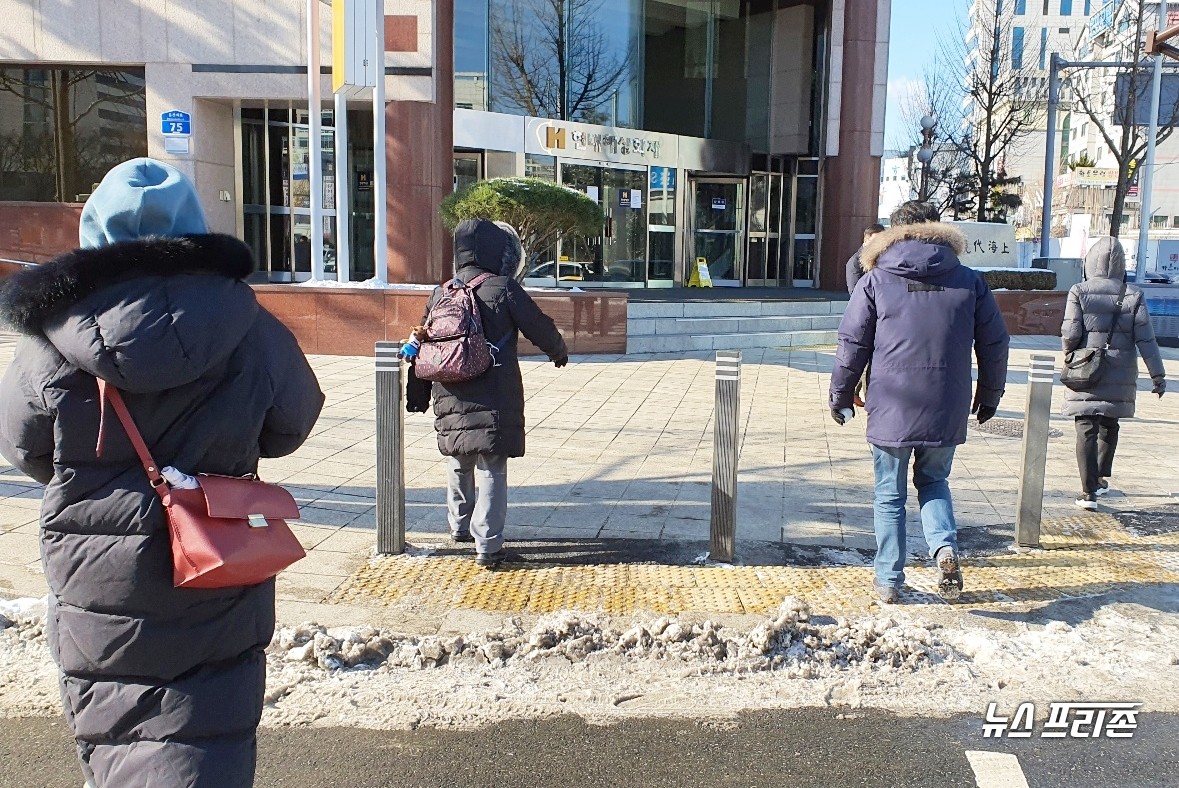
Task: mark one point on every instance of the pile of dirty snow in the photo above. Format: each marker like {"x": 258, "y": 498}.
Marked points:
{"x": 590, "y": 665}
{"x": 789, "y": 642}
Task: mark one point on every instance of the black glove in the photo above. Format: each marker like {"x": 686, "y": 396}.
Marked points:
{"x": 838, "y": 417}
{"x": 1160, "y": 386}
{"x": 561, "y": 360}
{"x": 417, "y": 392}
{"x": 984, "y": 412}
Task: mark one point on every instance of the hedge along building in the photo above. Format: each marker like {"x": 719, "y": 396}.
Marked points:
{"x": 748, "y": 132}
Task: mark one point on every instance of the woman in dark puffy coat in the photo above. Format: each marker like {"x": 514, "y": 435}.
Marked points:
{"x": 1092, "y": 314}
{"x": 480, "y": 423}
{"x": 162, "y": 686}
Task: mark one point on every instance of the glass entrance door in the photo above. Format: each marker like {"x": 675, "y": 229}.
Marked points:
{"x": 718, "y": 230}
{"x": 617, "y": 258}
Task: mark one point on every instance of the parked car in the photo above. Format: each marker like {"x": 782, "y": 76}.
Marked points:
{"x": 569, "y": 272}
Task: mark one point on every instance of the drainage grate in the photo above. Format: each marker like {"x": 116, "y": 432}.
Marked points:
{"x": 1008, "y": 428}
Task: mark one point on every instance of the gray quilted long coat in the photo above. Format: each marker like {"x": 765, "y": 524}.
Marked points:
{"x": 162, "y": 686}
{"x": 1089, "y": 314}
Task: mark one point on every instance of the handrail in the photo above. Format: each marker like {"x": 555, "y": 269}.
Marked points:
{"x": 25, "y": 263}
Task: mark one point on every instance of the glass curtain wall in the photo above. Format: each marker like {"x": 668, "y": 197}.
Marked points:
{"x": 62, "y": 129}
{"x": 578, "y": 60}
{"x": 738, "y": 70}
{"x": 277, "y": 191}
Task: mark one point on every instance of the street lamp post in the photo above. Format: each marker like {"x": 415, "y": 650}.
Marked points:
{"x": 925, "y": 155}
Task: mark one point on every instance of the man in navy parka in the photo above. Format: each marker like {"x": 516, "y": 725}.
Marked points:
{"x": 917, "y": 316}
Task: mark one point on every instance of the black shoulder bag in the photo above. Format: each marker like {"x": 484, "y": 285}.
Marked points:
{"x": 1084, "y": 367}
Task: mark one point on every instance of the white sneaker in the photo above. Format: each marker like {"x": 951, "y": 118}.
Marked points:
{"x": 1103, "y": 488}
{"x": 1086, "y": 502}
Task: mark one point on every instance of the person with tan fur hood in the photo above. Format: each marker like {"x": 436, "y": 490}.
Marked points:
{"x": 918, "y": 316}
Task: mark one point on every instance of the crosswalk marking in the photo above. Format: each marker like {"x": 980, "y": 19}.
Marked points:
{"x": 996, "y": 769}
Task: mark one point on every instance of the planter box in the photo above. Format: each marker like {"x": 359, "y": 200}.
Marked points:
{"x": 1029, "y": 312}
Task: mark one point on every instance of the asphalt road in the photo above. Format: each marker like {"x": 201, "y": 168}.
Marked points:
{"x": 805, "y": 747}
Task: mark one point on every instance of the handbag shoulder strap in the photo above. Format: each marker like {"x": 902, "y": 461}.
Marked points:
{"x": 108, "y": 393}
{"x": 1117, "y": 315}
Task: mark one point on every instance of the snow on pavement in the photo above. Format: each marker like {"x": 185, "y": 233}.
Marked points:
{"x": 604, "y": 670}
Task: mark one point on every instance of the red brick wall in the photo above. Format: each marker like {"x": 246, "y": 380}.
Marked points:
{"x": 330, "y": 321}
{"x": 38, "y": 231}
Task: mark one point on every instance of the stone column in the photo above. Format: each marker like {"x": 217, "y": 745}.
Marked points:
{"x": 420, "y": 144}
{"x": 856, "y": 141}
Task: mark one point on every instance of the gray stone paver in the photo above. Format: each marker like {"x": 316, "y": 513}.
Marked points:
{"x": 620, "y": 446}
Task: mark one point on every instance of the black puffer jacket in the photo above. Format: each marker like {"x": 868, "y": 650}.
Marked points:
{"x": 162, "y": 686}
{"x": 486, "y": 415}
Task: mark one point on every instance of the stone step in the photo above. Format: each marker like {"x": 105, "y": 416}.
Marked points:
{"x": 683, "y": 343}
{"x": 706, "y": 309}
{"x": 670, "y": 326}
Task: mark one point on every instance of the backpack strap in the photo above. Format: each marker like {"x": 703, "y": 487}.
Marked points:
{"x": 480, "y": 279}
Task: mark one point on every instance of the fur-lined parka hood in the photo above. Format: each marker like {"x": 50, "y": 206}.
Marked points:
{"x": 30, "y": 297}
{"x": 146, "y": 315}
{"x": 915, "y": 250}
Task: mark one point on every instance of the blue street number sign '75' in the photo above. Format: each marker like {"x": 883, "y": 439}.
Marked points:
{"x": 176, "y": 122}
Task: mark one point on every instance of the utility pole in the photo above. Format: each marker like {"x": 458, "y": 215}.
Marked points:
{"x": 1156, "y": 88}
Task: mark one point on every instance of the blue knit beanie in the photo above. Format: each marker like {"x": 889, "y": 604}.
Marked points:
{"x": 141, "y": 198}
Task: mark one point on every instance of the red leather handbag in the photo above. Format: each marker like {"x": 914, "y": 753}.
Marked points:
{"x": 230, "y": 532}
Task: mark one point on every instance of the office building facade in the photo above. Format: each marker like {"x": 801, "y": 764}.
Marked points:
{"x": 744, "y": 132}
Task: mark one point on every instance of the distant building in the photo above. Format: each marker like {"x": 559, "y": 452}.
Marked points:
{"x": 1085, "y": 195}
{"x": 895, "y": 185}
{"x": 1038, "y": 28}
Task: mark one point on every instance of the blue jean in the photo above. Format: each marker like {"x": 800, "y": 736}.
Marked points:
{"x": 931, "y": 471}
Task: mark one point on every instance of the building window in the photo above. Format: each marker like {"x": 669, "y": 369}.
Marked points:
{"x": 1158, "y": 222}
{"x": 1063, "y": 31}
{"x": 1043, "y": 46}
{"x": 1088, "y": 7}
{"x": 1021, "y": 7}
{"x": 63, "y": 129}
{"x": 1175, "y": 222}
{"x": 1045, "y": 11}
{"x": 1066, "y": 7}
{"x": 1017, "y": 48}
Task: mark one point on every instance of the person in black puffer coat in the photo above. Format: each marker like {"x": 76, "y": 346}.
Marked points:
{"x": 480, "y": 423}
{"x": 162, "y": 686}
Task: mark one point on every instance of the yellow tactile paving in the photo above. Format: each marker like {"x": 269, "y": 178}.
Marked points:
{"x": 1082, "y": 556}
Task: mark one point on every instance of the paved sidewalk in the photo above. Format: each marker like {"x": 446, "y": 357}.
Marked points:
{"x": 620, "y": 448}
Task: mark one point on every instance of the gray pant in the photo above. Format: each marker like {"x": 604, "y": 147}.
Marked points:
{"x": 477, "y": 498}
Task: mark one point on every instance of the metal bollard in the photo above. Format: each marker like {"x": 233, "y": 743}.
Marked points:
{"x": 725, "y": 451}
{"x": 1035, "y": 450}
{"x": 390, "y": 450}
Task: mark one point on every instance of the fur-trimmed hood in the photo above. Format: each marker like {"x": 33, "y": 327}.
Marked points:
{"x": 146, "y": 315}
{"x": 28, "y": 298}
{"x": 915, "y": 249}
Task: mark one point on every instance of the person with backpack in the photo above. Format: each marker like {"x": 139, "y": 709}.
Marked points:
{"x": 468, "y": 364}
{"x": 1105, "y": 324}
